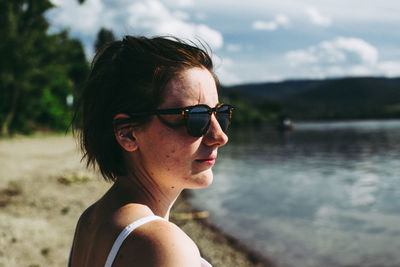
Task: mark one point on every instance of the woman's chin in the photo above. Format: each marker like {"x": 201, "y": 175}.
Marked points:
{"x": 203, "y": 179}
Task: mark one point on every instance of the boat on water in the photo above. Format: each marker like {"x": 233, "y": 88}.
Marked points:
{"x": 285, "y": 123}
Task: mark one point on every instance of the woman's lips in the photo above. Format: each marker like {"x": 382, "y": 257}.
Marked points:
{"x": 207, "y": 160}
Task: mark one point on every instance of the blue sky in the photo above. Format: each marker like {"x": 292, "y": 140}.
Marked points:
{"x": 256, "y": 40}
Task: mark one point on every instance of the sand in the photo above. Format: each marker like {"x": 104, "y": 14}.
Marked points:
{"x": 43, "y": 190}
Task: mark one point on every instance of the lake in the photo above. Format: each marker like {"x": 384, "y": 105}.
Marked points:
{"x": 325, "y": 194}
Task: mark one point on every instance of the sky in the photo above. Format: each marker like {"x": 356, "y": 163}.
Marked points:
{"x": 255, "y": 41}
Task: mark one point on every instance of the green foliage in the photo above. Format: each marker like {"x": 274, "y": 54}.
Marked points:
{"x": 38, "y": 70}
{"x": 256, "y": 112}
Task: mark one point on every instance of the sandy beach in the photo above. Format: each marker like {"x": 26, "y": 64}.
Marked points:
{"x": 43, "y": 190}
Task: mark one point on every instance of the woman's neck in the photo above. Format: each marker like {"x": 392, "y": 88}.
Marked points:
{"x": 132, "y": 189}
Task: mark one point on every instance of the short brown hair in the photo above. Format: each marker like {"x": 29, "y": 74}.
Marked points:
{"x": 128, "y": 76}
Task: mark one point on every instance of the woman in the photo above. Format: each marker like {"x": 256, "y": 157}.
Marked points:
{"x": 152, "y": 123}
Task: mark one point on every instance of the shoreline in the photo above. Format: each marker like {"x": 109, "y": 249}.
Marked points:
{"x": 43, "y": 190}
{"x": 226, "y": 249}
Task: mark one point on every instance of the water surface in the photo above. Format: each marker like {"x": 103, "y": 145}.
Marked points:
{"x": 326, "y": 194}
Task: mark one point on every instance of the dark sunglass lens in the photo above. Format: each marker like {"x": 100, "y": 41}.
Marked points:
{"x": 198, "y": 120}
{"x": 224, "y": 117}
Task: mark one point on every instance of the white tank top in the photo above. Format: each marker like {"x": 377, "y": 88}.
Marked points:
{"x": 125, "y": 233}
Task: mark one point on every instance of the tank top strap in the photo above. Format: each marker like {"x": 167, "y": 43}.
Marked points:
{"x": 125, "y": 233}
{"x": 204, "y": 263}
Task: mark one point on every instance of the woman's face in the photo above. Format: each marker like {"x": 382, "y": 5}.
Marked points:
{"x": 169, "y": 155}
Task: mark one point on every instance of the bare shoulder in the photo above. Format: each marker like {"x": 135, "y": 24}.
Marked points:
{"x": 128, "y": 213}
{"x": 158, "y": 243}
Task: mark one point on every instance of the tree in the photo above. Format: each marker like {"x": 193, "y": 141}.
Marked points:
{"x": 104, "y": 36}
{"x": 37, "y": 70}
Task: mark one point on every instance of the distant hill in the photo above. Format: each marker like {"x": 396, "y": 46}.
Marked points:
{"x": 273, "y": 91}
{"x": 345, "y": 98}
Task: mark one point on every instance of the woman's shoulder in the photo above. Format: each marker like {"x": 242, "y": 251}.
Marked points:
{"x": 158, "y": 243}
{"x": 125, "y": 215}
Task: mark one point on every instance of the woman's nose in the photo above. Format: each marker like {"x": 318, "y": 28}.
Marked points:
{"x": 214, "y": 135}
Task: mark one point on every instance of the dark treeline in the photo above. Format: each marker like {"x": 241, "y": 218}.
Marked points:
{"x": 330, "y": 99}
{"x": 348, "y": 98}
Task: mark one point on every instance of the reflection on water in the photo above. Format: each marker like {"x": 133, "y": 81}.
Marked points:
{"x": 326, "y": 194}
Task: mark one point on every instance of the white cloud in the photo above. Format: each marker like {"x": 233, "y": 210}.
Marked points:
{"x": 338, "y": 51}
{"x": 390, "y": 68}
{"x": 339, "y": 57}
{"x": 153, "y": 17}
{"x": 145, "y": 17}
{"x": 359, "y": 70}
{"x": 280, "y": 20}
{"x": 208, "y": 19}
{"x": 181, "y": 15}
{"x": 224, "y": 70}
{"x": 317, "y": 18}
{"x": 300, "y": 57}
{"x": 367, "y": 53}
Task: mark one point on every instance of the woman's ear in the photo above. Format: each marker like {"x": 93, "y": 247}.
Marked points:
{"x": 124, "y": 134}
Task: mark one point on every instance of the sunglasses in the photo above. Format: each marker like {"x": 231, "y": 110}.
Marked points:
{"x": 197, "y": 118}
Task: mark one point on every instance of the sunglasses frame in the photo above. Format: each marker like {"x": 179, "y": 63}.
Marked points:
{"x": 185, "y": 112}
